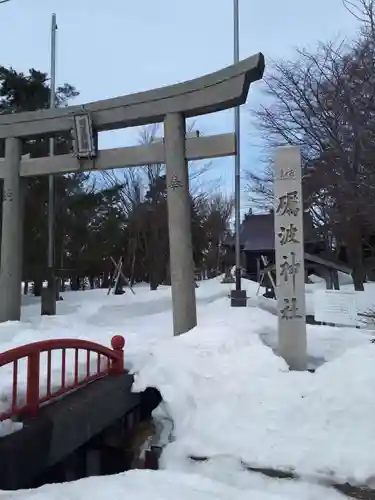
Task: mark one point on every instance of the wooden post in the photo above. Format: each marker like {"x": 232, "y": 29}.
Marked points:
{"x": 258, "y": 269}
{"x": 335, "y": 279}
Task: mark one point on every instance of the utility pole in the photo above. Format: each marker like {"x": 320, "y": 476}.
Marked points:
{"x": 238, "y": 296}
{"x": 49, "y": 298}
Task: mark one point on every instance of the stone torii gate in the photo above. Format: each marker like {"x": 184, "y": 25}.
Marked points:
{"x": 217, "y": 91}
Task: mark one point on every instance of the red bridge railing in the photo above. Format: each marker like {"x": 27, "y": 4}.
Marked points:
{"x": 106, "y": 361}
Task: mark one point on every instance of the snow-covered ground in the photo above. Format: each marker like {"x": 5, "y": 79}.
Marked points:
{"x": 175, "y": 485}
{"x": 231, "y": 398}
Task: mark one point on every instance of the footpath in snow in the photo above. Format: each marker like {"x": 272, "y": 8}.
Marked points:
{"x": 231, "y": 398}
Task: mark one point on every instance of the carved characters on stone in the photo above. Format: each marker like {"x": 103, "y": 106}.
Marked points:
{"x": 289, "y": 268}
{"x": 290, "y": 309}
{"x": 288, "y": 234}
{"x": 287, "y": 174}
{"x": 288, "y": 207}
{"x": 288, "y": 204}
{"x": 8, "y": 195}
{"x": 175, "y": 183}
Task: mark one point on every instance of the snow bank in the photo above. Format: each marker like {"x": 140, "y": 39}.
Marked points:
{"x": 227, "y": 391}
{"x": 169, "y": 485}
{"x": 230, "y": 395}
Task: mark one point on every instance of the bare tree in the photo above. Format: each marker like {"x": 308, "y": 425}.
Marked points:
{"x": 363, "y": 11}
{"x": 136, "y": 180}
{"x": 323, "y": 101}
{"x": 142, "y": 197}
{"x": 295, "y": 115}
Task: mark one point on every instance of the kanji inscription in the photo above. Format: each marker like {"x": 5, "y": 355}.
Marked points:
{"x": 288, "y": 204}
{"x": 290, "y": 309}
{"x": 8, "y": 195}
{"x": 288, "y": 234}
{"x": 289, "y": 268}
{"x": 175, "y": 183}
{"x": 287, "y": 174}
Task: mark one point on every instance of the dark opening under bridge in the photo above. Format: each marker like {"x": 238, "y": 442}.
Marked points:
{"x": 77, "y": 420}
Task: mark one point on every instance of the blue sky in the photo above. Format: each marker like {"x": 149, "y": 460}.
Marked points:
{"x": 115, "y": 47}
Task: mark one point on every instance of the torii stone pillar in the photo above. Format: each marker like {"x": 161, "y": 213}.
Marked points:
{"x": 179, "y": 223}
{"x": 11, "y": 235}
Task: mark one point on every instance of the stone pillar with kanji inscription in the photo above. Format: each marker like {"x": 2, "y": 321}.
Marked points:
{"x": 11, "y": 234}
{"x": 289, "y": 249}
{"x": 179, "y": 223}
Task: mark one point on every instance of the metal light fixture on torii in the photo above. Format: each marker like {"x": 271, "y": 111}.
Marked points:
{"x": 224, "y": 89}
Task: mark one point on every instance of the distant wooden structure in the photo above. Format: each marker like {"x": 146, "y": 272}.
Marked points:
{"x": 115, "y": 280}
{"x": 257, "y": 238}
{"x": 266, "y": 279}
{"x": 327, "y": 268}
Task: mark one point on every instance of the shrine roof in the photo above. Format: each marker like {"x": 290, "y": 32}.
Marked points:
{"x": 257, "y": 232}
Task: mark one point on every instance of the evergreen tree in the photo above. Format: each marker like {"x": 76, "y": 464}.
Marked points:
{"x": 94, "y": 221}
{"x": 29, "y": 92}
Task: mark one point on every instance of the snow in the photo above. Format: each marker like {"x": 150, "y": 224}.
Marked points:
{"x": 171, "y": 485}
{"x": 231, "y": 398}
{"x": 230, "y": 395}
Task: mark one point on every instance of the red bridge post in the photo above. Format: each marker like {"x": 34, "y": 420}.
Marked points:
{"x": 118, "y": 343}
{"x": 32, "y": 385}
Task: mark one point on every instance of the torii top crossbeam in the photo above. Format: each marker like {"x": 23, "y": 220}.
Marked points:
{"x": 216, "y": 91}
